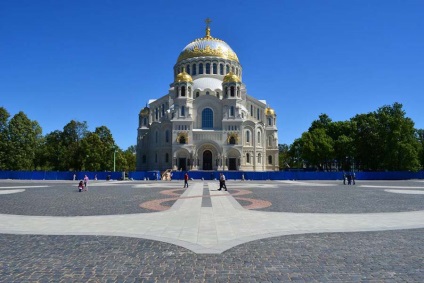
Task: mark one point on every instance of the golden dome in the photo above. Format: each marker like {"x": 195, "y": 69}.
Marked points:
{"x": 269, "y": 111}
{"x": 145, "y": 111}
{"x": 183, "y": 77}
{"x": 208, "y": 46}
{"x": 231, "y": 78}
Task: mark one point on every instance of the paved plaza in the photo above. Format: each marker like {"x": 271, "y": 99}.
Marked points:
{"x": 258, "y": 231}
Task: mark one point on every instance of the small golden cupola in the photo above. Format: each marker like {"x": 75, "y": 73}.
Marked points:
{"x": 231, "y": 78}
{"x": 145, "y": 111}
{"x": 183, "y": 77}
{"x": 269, "y": 112}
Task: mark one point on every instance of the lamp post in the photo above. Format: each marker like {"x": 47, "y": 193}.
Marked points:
{"x": 114, "y": 157}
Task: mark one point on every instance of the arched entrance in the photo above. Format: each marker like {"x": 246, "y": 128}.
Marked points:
{"x": 207, "y": 160}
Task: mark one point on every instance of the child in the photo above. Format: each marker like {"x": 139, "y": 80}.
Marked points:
{"x": 80, "y": 186}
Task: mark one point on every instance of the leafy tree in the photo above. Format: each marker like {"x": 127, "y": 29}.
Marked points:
{"x": 317, "y": 148}
{"x": 24, "y": 136}
{"x": 4, "y": 138}
{"x": 72, "y": 134}
{"x": 283, "y": 156}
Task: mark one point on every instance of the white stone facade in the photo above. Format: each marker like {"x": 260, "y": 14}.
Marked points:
{"x": 207, "y": 121}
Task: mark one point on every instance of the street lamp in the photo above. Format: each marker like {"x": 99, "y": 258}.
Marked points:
{"x": 114, "y": 157}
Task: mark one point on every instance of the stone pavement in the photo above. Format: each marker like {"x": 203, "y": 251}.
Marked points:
{"x": 233, "y": 244}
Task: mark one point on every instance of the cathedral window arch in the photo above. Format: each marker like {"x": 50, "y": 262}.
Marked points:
{"x": 269, "y": 121}
{"x": 156, "y": 113}
{"x": 227, "y": 69}
{"x": 259, "y": 138}
{"x": 145, "y": 121}
{"x": 183, "y": 91}
{"x": 257, "y": 113}
{"x": 232, "y": 111}
{"x": 270, "y": 159}
{"x": 232, "y": 140}
{"x": 200, "y": 68}
{"x": 207, "y": 118}
{"x": 221, "y": 69}
{"x": 247, "y": 157}
{"x": 214, "y": 69}
{"x": 232, "y": 91}
{"x": 188, "y": 69}
{"x": 182, "y": 140}
{"x": 247, "y": 136}
{"x": 182, "y": 111}
{"x": 251, "y": 110}
{"x": 197, "y": 94}
{"x": 193, "y": 71}
{"x": 167, "y": 136}
{"x": 163, "y": 109}
{"x": 208, "y": 68}
{"x": 259, "y": 158}
{"x": 217, "y": 94}
{"x": 207, "y": 93}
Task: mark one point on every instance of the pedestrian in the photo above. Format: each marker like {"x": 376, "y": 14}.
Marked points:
{"x": 186, "y": 180}
{"x": 222, "y": 182}
{"x": 242, "y": 177}
{"x": 95, "y": 177}
{"x": 80, "y": 186}
{"x": 344, "y": 178}
{"x": 85, "y": 182}
{"x": 349, "y": 179}
{"x": 75, "y": 176}
{"x": 353, "y": 178}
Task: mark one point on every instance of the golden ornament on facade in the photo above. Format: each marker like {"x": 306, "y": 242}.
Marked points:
{"x": 232, "y": 135}
{"x": 231, "y": 78}
{"x": 208, "y": 51}
{"x": 182, "y": 135}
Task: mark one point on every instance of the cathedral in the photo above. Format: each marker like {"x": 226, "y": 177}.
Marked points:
{"x": 207, "y": 121}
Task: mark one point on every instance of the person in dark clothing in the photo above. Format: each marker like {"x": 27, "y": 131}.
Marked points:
{"x": 186, "y": 180}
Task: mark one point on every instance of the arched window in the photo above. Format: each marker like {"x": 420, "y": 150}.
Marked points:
{"x": 197, "y": 94}
{"x": 269, "y": 159}
{"x": 182, "y": 111}
{"x": 207, "y": 93}
{"x": 167, "y": 136}
{"x": 215, "y": 71}
{"x": 157, "y": 113}
{"x": 259, "y": 138}
{"x": 232, "y": 140}
{"x": 227, "y": 69}
{"x": 200, "y": 68}
{"x": 232, "y": 111}
{"x": 207, "y": 118}
{"x": 217, "y": 94}
{"x": 183, "y": 91}
{"x": 188, "y": 69}
{"x": 259, "y": 158}
{"x": 145, "y": 121}
{"x": 163, "y": 109}
{"x": 232, "y": 91}
{"x": 247, "y": 136}
{"x": 247, "y": 158}
{"x": 251, "y": 110}
{"x": 221, "y": 69}
{"x": 193, "y": 72}
{"x": 208, "y": 68}
{"x": 257, "y": 113}
{"x": 269, "y": 122}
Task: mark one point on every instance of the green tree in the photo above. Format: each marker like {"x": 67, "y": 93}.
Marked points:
{"x": 283, "y": 156}
{"x": 317, "y": 148}
{"x": 24, "y": 136}
{"x": 4, "y": 138}
{"x": 72, "y": 134}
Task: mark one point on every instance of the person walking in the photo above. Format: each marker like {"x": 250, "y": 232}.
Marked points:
{"x": 186, "y": 180}
{"x": 222, "y": 182}
{"x": 85, "y": 182}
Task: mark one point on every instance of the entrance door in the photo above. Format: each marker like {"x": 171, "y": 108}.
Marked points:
{"x": 207, "y": 160}
{"x": 232, "y": 164}
{"x": 182, "y": 164}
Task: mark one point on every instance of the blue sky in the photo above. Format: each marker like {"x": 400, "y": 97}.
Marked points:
{"x": 101, "y": 61}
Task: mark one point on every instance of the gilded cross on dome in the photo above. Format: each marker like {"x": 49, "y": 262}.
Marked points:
{"x": 208, "y": 30}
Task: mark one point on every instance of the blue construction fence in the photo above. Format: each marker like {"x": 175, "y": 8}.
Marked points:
{"x": 208, "y": 175}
